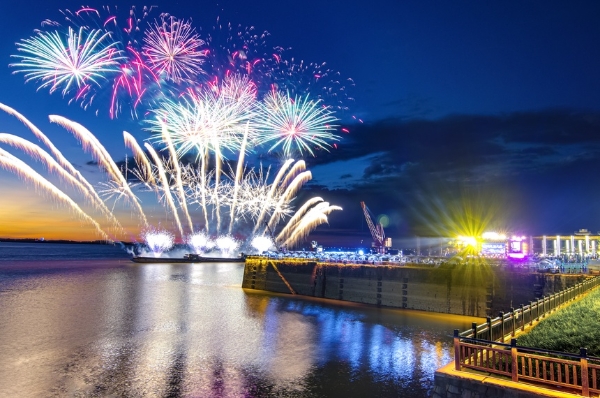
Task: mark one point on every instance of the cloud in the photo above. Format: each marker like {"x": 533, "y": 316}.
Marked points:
{"x": 538, "y": 165}
{"x": 534, "y": 170}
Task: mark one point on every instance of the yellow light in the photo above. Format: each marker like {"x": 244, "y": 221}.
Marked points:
{"x": 493, "y": 236}
{"x": 471, "y": 241}
{"x": 467, "y": 240}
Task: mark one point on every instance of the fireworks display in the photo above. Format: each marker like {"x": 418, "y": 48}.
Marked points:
{"x": 72, "y": 61}
{"x": 200, "y": 242}
{"x": 158, "y": 241}
{"x": 173, "y": 48}
{"x": 143, "y": 58}
{"x": 296, "y": 124}
{"x": 226, "y": 244}
{"x": 262, "y": 243}
{"x": 203, "y": 98}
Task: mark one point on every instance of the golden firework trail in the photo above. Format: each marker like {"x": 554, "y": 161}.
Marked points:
{"x": 165, "y": 183}
{"x": 290, "y": 191}
{"x": 218, "y": 172}
{"x": 38, "y": 153}
{"x": 274, "y": 186}
{"x": 314, "y": 217}
{"x": 298, "y": 167}
{"x": 203, "y": 188}
{"x": 238, "y": 177}
{"x": 24, "y": 171}
{"x": 90, "y": 142}
{"x": 284, "y": 234}
{"x": 140, "y": 157}
{"x": 174, "y": 160}
{"x": 308, "y": 222}
{"x": 57, "y": 154}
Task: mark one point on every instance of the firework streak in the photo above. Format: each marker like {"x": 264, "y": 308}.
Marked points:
{"x": 205, "y": 98}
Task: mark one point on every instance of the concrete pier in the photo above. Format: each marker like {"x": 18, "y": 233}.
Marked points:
{"x": 478, "y": 290}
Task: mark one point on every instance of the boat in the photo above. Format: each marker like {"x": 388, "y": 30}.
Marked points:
{"x": 189, "y": 258}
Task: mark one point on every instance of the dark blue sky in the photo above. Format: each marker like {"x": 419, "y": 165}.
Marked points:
{"x": 493, "y": 103}
{"x": 426, "y": 58}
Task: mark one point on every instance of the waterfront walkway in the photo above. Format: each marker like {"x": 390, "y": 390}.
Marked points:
{"x": 489, "y": 385}
{"x": 484, "y": 365}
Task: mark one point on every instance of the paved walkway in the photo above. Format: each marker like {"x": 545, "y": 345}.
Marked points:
{"x": 486, "y": 378}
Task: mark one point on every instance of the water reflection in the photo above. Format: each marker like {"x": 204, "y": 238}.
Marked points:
{"x": 190, "y": 330}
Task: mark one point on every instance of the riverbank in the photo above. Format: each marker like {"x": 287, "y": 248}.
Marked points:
{"x": 523, "y": 368}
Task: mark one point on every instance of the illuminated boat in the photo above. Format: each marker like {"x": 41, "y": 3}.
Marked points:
{"x": 189, "y": 258}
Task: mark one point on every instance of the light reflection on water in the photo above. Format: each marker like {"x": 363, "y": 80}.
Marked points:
{"x": 104, "y": 327}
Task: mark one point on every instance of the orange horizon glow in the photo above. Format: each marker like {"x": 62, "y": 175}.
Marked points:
{"x": 28, "y": 214}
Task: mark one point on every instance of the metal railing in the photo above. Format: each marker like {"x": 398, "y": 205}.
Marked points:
{"x": 483, "y": 348}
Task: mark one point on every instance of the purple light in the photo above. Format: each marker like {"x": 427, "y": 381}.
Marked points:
{"x": 516, "y": 255}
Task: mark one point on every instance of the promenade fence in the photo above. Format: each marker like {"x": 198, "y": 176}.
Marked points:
{"x": 484, "y": 348}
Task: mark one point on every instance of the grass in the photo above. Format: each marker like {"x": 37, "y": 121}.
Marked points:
{"x": 570, "y": 328}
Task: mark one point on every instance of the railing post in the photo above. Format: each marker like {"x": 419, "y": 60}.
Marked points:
{"x": 544, "y": 304}
{"x": 474, "y": 329}
{"x": 456, "y": 350}
{"x": 522, "y": 318}
{"x": 571, "y": 289}
{"x": 514, "y": 362}
{"x": 537, "y": 310}
{"x": 489, "y": 325}
{"x": 530, "y": 313}
{"x": 502, "y": 333}
{"x": 513, "y": 316}
{"x": 585, "y": 381}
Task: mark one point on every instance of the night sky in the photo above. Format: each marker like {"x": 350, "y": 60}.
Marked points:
{"x": 476, "y": 115}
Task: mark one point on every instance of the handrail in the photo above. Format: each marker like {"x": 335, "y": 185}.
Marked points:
{"x": 526, "y": 349}
{"x": 576, "y": 372}
{"x": 516, "y": 320}
{"x": 483, "y": 347}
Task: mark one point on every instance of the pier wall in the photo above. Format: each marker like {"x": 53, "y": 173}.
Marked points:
{"x": 474, "y": 290}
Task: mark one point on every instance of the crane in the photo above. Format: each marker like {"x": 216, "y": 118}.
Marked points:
{"x": 376, "y": 230}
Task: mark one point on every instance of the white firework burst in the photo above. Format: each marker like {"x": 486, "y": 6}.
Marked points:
{"x": 81, "y": 58}
{"x": 296, "y": 124}
{"x": 173, "y": 48}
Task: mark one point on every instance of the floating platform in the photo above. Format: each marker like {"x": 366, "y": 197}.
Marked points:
{"x": 188, "y": 259}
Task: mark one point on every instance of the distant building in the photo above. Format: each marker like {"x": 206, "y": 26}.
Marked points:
{"x": 583, "y": 232}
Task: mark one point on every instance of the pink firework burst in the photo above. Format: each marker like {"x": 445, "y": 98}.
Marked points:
{"x": 173, "y": 49}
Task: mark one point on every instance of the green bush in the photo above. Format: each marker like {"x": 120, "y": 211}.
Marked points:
{"x": 577, "y": 325}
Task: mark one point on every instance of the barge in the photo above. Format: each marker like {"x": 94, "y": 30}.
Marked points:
{"x": 188, "y": 259}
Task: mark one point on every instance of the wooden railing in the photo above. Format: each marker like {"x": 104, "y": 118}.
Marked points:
{"x": 555, "y": 369}
{"x": 483, "y": 348}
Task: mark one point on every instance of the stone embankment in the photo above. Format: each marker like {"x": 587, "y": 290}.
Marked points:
{"x": 478, "y": 290}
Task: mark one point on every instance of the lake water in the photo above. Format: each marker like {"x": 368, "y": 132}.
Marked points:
{"x": 82, "y": 320}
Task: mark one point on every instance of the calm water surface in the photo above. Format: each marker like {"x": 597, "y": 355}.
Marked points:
{"x": 82, "y": 320}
